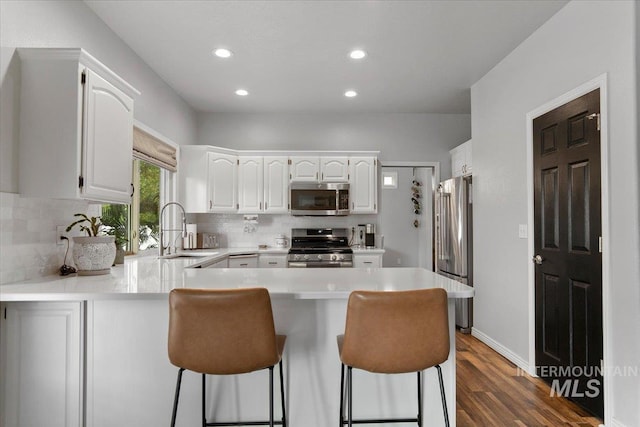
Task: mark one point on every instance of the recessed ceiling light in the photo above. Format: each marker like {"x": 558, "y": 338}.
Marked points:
{"x": 242, "y": 92}
{"x": 222, "y": 53}
{"x": 357, "y": 54}
{"x": 350, "y": 93}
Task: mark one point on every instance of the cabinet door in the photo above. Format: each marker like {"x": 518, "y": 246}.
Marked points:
{"x": 243, "y": 261}
{"x": 276, "y": 184}
{"x": 461, "y": 160}
{"x": 304, "y": 169}
{"x": 42, "y": 371}
{"x": 222, "y": 182}
{"x": 468, "y": 166}
{"x": 108, "y": 140}
{"x": 367, "y": 261}
{"x": 272, "y": 261}
{"x": 364, "y": 187}
{"x": 250, "y": 182}
{"x": 334, "y": 169}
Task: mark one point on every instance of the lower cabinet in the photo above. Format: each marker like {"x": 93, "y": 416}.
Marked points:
{"x": 42, "y": 364}
{"x": 243, "y": 261}
{"x": 272, "y": 261}
{"x": 367, "y": 261}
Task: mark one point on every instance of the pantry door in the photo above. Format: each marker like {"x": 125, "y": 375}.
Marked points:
{"x": 568, "y": 258}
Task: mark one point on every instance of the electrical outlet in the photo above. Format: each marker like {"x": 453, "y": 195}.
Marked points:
{"x": 60, "y": 231}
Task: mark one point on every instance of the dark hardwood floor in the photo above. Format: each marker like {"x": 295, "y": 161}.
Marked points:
{"x": 491, "y": 392}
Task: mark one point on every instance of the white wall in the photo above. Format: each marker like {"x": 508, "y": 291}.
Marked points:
{"x": 579, "y": 43}
{"x": 73, "y": 24}
{"x": 27, "y": 225}
{"x": 398, "y": 137}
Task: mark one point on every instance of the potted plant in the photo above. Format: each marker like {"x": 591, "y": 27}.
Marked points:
{"x": 94, "y": 253}
{"x": 115, "y": 219}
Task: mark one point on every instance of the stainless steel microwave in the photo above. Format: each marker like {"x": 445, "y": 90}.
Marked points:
{"x": 310, "y": 198}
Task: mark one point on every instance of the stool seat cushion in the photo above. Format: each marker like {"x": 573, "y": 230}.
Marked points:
{"x": 395, "y": 332}
{"x": 221, "y": 332}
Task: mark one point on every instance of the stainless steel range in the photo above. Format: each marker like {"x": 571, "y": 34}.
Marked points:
{"x": 320, "y": 247}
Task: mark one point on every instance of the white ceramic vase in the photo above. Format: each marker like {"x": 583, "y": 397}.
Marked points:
{"x": 93, "y": 255}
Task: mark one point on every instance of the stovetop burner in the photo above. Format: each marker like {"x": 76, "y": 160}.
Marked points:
{"x": 320, "y": 247}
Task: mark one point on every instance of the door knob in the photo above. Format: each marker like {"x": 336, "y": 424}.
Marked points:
{"x": 537, "y": 259}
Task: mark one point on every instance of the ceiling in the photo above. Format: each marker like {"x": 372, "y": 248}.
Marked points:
{"x": 292, "y": 56}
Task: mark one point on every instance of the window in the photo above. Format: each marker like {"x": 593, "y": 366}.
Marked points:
{"x": 136, "y": 226}
{"x": 389, "y": 180}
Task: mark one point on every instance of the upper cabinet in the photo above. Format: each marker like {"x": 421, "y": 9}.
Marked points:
{"x": 250, "y": 184}
{"x": 461, "y": 164}
{"x": 276, "y": 184}
{"x": 363, "y": 184}
{"x": 213, "y": 179}
{"x": 222, "y": 182}
{"x": 76, "y": 127}
{"x": 334, "y": 169}
{"x": 302, "y": 168}
{"x": 207, "y": 179}
{"x": 319, "y": 169}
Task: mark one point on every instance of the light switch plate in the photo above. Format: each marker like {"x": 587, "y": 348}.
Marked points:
{"x": 522, "y": 231}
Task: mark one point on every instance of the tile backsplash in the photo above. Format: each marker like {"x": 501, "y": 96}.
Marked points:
{"x": 231, "y": 227}
{"x": 28, "y": 247}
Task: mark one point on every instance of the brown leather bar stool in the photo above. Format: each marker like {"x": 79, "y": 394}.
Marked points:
{"x": 224, "y": 332}
{"x": 391, "y": 333}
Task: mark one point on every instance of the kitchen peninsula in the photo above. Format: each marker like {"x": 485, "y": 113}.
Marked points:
{"x": 113, "y": 331}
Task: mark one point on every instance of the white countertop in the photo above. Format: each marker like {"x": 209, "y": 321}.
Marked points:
{"x": 144, "y": 277}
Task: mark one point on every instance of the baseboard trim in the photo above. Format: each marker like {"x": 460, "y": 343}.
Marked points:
{"x": 501, "y": 349}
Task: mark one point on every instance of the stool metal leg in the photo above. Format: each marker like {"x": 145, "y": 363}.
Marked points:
{"x": 444, "y": 400}
{"x": 204, "y": 417}
{"x": 349, "y": 396}
{"x": 284, "y": 412}
{"x": 177, "y": 396}
{"x": 271, "y": 396}
{"x": 419, "y": 399}
{"x": 341, "y": 394}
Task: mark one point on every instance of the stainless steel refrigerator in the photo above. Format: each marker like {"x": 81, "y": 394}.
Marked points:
{"x": 454, "y": 240}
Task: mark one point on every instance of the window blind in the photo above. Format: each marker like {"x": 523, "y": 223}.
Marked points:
{"x": 150, "y": 149}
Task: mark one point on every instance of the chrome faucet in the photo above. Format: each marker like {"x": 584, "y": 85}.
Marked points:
{"x": 162, "y": 229}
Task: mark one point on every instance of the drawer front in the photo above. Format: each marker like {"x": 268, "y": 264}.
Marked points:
{"x": 367, "y": 261}
{"x": 272, "y": 261}
{"x": 243, "y": 262}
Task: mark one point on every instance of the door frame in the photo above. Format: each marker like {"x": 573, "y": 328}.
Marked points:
{"x": 599, "y": 82}
{"x": 435, "y": 181}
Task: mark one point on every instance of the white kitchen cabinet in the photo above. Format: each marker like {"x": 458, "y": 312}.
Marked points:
{"x": 334, "y": 169}
{"x": 222, "y": 182}
{"x": 461, "y": 159}
{"x": 367, "y": 261}
{"x": 207, "y": 179}
{"x": 276, "y": 184}
{"x": 193, "y": 186}
{"x": 243, "y": 261}
{"x": 42, "y": 364}
{"x": 250, "y": 184}
{"x": 363, "y": 181}
{"x": 302, "y": 168}
{"x": 76, "y": 127}
{"x": 272, "y": 261}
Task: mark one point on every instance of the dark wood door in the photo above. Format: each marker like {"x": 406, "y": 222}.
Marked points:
{"x": 568, "y": 276}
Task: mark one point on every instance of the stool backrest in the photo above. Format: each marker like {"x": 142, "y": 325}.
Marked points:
{"x": 221, "y": 332}
{"x": 395, "y": 332}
